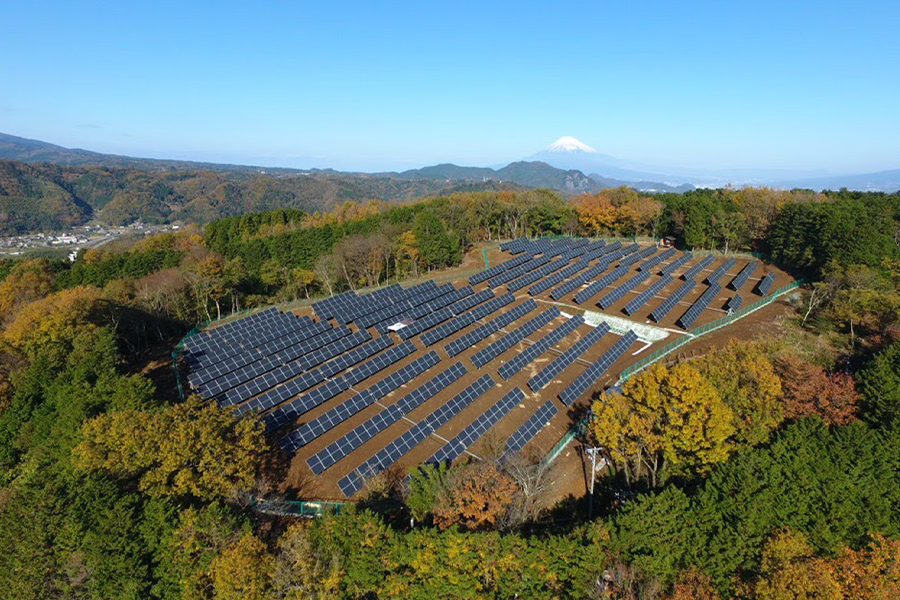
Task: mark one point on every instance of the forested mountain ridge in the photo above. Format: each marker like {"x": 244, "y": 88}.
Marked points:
{"x": 45, "y": 196}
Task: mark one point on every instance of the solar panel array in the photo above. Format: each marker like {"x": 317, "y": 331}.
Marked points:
{"x": 597, "y": 286}
{"x": 343, "y": 446}
{"x": 696, "y": 269}
{"x": 308, "y": 379}
{"x": 433, "y": 336}
{"x": 617, "y": 294}
{"x": 561, "y": 362}
{"x": 641, "y": 299}
{"x": 637, "y": 256}
{"x": 559, "y": 276}
{"x": 343, "y": 411}
{"x": 529, "y": 278}
{"x": 437, "y": 317}
{"x": 660, "y": 312}
{"x": 468, "y": 436}
{"x": 653, "y": 261}
{"x": 575, "y": 389}
{"x": 742, "y": 277}
{"x": 468, "y": 340}
{"x": 734, "y": 303}
{"x": 395, "y": 450}
{"x": 579, "y": 279}
{"x": 269, "y": 380}
{"x": 720, "y": 272}
{"x": 676, "y": 264}
{"x": 530, "y": 428}
{"x": 497, "y": 269}
{"x": 688, "y": 318}
{"x": 521, "y": 360}
{"x": 288, "y": 412}
{"x": 484, "y": 356}
{"x": 765, "y": 284}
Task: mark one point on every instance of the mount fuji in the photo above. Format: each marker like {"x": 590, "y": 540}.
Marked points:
{"x": 571, "y": 153}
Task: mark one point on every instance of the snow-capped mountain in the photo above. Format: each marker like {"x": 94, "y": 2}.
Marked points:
{"x": 569, "y": 144}
{"x": 571, "y": 153}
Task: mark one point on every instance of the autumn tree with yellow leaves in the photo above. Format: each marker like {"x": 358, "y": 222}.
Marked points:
{"x": 189, "y": 449}
{"x": 664, "y": 417}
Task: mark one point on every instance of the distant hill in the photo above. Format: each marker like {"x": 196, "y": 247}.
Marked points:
{"x": 42, "y": 196}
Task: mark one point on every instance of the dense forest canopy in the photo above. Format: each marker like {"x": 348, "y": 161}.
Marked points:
{"x": 781, "y": 484}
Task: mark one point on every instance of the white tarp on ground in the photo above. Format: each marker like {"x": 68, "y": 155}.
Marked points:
{"x": 621, "y": 326}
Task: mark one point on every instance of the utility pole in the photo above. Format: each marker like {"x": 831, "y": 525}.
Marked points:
{"x": 593, "y": 452}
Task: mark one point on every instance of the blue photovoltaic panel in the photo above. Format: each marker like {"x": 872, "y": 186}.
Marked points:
{"x": 511, "y": 274}
{"x": 394, "y": 451}
{"x": 765, "y": 284}
{"x": 530, "y": 428}
{"x": 721, "y": 271}
{"x": 558, "y": 277}
{"x": 641, "y": 299}
{"x": 688, "y": 318}
{"x": 340, "y": 413}
{"x": 597, "y": 370}
{"x": 742, "y": 277}
{"x": 637, "y": 256}
{"x": 468, "y": 340}
{"x": 597, "y": 286}
{"x": 340, "y": 448}
{"x": 570, "y": 286}
{"x": 433, "y": 336}
{"x": 676, "y": 264}
{"x": 300, "y": 384}
{"x": 529, "y": 278}
{"x": 269, "y": 380}
{"x": 288, "y": 412}
{"x": 468, "y": 302}
{"x": 561, "y": 362}
{"x": 734, "y": 303}
{"x": 512, "y": 338}
{"x": 652, "y": 262}
{"x": 660, "y": 312}
{"x": 468, "y": 436}
{"x": 696, "y": 269}
{"x": 617, "y": 294}
{"x": 497, "y": 269}
{"x": 521, "y": 360}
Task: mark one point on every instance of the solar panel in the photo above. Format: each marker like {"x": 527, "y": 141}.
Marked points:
{"x": 653, "y": 261}
{"x": 696, "y": 269}
{"x": 596, "y": 370}
{"x": 637, "y": 256}
{"x": 425, "y": 323}
{"x": 343, "y": 446}
{"x": 519, "y": 361}
{"x": 641, "y": 299}
{"x": 561, "y": 362}
{"x": 530, "y": 428}
{"x": 512, "y": 338}
{"x": 343, "y": 411}
{"x": 720, "y": 272}
{"x": 468, "y": 340}
{"x": 742, "y": 277}
{"x": 617, "y": 294}
{"x": 598, "y": 286}
{"x": 511, "y": 274}
{"x": 497, "y": 269}
{"x": 468, "y": 436}
{"x": 765, "y": 284}
{"x": 676, "y": 264}
{"x": 558, "y": 277}
{"x": 394, "y": 451}
{"x": 734, "y": 303}
{"x": 468, "y": 302}
{"x": 269, "y": 380}
{"x": 688, "y": 318}
{"x": 433, "y": 336}
{"x": 529, "y": 278}
{"x": 308, "y": 379}
{"x": 576, "y": 281}
{"x": 288, "y": 412}
{"x": 660, "y": 312}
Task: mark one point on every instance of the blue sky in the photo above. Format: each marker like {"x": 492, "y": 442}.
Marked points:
{"x": 388, "y": 85}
